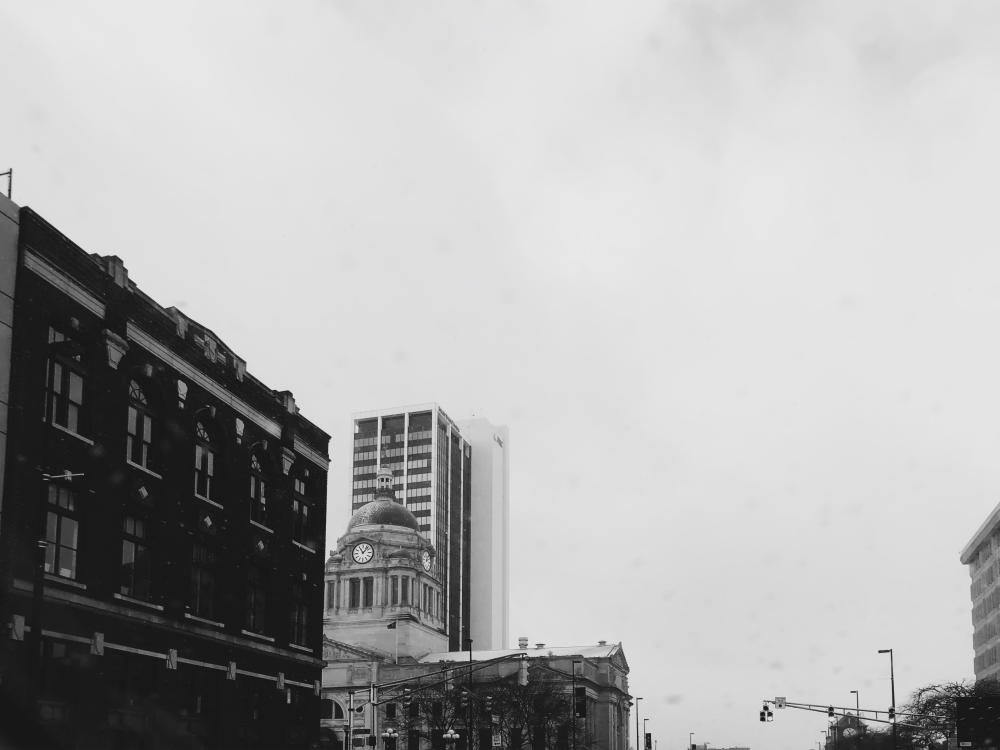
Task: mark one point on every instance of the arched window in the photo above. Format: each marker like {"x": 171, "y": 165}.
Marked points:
{"x": 258, "y": 491}
{"x": 204, "y": 462}
{"x": 139, "y": 441}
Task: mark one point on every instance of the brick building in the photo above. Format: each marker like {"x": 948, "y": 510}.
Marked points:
{"x": 180, "y": 506}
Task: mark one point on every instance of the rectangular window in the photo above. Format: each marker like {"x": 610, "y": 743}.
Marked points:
{"x": 204, "y": 470}
{"x": 62, "y": 532}
{"x": 300, "y": 521}
{"x": 256, "y": 605}
{"x": 139, "y": 438}
{"x": 299, "y": 616}
{"x": 65, "y": 395}
{"x": 390, "y": 710}
{"x": 331, "y": 596}
{"x": 404, "y": 590}
{"x": 393, "y": 590}
{"x": 354, "y": 593}
{"x": 136, "y": 571}
{"x": 204, "y": 564}
{"x": 369, "y": 592}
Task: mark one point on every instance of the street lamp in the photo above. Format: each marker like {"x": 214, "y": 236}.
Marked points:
{"x": 892, "y": 681}
{"x": 690, "y": 741}
{"x": 451, "y": 736}
{"x": 390, "y": 736}
{"x": 637, "y": 723}
{"x": 857, "y": 706}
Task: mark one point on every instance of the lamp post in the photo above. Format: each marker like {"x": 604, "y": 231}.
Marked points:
{"x": 892, "y": 682}
{"x": 451, "y": 737}
{"x": 637, "y": 722}
{"x": 857, "y": 706}
{"x": 390, "y": 736}
{"x": 690, "y": 740}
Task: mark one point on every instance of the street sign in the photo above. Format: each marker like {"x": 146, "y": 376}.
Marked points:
{"x": 779, "y": 702}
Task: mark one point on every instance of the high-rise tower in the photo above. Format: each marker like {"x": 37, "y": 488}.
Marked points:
{"x": 431, "y": 466}
{"x": 490, "y": 540}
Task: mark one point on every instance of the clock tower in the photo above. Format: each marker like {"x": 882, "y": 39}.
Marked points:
{"x": 381, "y": 591}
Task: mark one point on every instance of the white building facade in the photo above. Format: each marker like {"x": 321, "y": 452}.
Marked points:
{"x": 490, "y": 533}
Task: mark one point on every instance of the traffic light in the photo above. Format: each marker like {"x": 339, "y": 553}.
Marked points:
{"x": 488, "y": 703}
{"x": 892, "y": 713}
{"x": 580, "y": 703}
{"x": 763, "y": 717}
{"x": 464, "y": 700}
{"x": 829, "y": 712}
{"x": 649, "y": 741}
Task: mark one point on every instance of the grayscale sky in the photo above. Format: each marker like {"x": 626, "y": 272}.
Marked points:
{"x": 728, "y": 270}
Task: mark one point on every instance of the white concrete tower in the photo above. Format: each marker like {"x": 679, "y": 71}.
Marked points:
{"x": 490, "y": 533}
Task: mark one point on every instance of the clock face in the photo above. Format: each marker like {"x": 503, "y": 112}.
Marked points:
{"x": 425, "y": 560}
{"x": 363, "y": 552}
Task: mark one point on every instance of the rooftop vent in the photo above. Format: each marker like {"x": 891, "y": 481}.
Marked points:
{"x": 522, "y": 642}
{"x": 539, "y": 645}
{"x": 602, "y": 643}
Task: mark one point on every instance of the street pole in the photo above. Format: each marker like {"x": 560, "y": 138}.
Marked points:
{"x": 690, "y": 740}
{"x": 892, "y": 681}
{"x": 857, "y": 706}
{"x": 637, "y": 723}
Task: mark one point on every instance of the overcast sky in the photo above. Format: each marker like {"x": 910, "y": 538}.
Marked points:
{"x": 728, "y": 270}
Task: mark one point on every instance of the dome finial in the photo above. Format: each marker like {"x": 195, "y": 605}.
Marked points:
{"x": 383, "y": 483}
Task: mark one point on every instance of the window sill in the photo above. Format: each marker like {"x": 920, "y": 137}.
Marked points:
{"x": 303, "y": 649}
{"x": 300, "y": 545}
{"x": 139, "y": 602}
{"x": 260, "y": 526}
{"x": 67, "y": 581}
{"x": 203, "y": 620}
{"x": 210, "y": 502}
{"x": 142, "y": 468}
{"x": 68, "y": 431}
{"x": 260, "y": 636}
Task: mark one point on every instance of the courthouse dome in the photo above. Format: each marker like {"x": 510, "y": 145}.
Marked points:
{"x": 384, "y": 509}
{"x": 385, "y": 512}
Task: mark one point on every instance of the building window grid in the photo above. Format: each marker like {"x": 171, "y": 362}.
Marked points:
{"x": 256, "y": 604}
{"x": 62, "y": 533}
{"x": 204, "y": 589}
{"x": 136, "y": 564}
{"x": 139, "y": 437}
{"x": 258, "y": 492}
{"x": 204, "y": 462}
{"x": 299, "y": 617}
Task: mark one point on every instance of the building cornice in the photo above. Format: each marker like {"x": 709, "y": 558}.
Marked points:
{"x": 987, "y": 527}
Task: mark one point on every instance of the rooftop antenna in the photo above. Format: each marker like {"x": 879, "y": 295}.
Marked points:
{"x": 9, "y": 174}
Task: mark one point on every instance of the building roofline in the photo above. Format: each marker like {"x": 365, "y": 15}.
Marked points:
{"x": 991, "y": 522}
{"x": 406, "y": 409}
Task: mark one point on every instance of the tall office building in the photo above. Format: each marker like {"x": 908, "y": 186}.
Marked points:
{"x": 490, "y": 539}
{"x": 982, "y": 556}
{"x": 431, "y": 466}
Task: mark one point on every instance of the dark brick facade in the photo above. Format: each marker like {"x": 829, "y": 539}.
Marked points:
{"x": 182, "y": 591}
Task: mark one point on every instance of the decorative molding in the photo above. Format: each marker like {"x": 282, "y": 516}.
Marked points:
{"x": 68, "y": 431}
{"x": 63, "y": 283}
{"x": 150, "y": 344}
{"x": 315, "y": 456}
{"x": 139, "y": 602}
{"x": 116, "y": 346}
{"x": 287, "y": 459}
